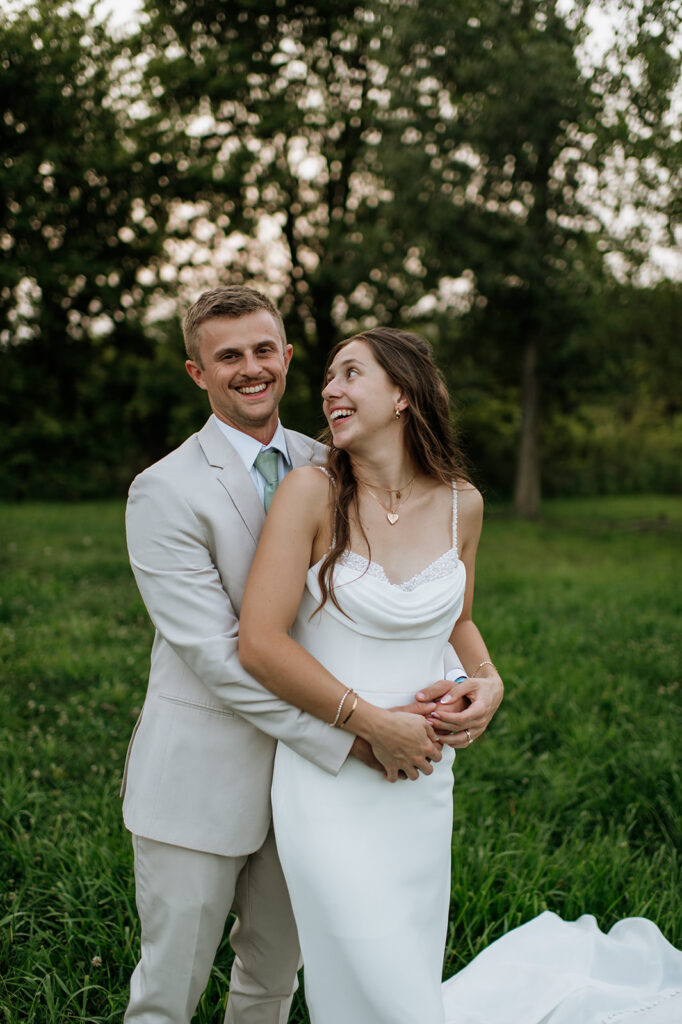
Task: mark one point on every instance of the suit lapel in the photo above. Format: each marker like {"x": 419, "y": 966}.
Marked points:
{"x": 233, "y": 476}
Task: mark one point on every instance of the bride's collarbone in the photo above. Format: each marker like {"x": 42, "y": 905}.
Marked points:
{"x": 426, "y": 509}
{"x": 405, "y": 547}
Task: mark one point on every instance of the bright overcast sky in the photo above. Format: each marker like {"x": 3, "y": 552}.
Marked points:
{"x": 120, "y": 11}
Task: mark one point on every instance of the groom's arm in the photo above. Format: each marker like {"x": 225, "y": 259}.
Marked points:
{"x": 184, "y": 596}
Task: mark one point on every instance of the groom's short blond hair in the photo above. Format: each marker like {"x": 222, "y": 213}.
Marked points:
{"x": 232, "y": 301}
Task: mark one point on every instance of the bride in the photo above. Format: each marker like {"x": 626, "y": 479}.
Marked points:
{"x": 364, "y": 572}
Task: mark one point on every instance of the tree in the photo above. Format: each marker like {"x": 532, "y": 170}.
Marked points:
{"x": 82, "y": 215}
{"x": 274, "y": 116}
{"x": 507, "y": 96}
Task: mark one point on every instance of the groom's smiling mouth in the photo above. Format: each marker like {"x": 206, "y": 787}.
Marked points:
{"x": 253, "y": 389}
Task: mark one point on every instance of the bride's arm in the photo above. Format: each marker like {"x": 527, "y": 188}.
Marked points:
{"x": 295, "y": 526}
{"x": 483, "y": 687}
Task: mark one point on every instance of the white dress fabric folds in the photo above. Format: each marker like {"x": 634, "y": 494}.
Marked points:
{"x": 550, "y": 971}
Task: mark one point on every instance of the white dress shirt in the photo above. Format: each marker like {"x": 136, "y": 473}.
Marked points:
{"x": 248, "y": 449}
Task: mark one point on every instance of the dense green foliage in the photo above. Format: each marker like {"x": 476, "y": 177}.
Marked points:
{"x": 571, "y": 802}
{"x": 75, "y": 168}
{"x": 462, "y": 168}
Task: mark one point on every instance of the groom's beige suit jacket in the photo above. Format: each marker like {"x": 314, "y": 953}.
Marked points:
{"x": 199, "y": 765}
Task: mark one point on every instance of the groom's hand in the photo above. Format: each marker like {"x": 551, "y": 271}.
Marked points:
{"x": 441, "y": 695}
{"x": 427, "y": 700}
{"x": 363, "y": 751}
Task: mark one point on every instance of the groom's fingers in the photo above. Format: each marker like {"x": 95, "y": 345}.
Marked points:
{"x": 418, "y": 708}
{"x": 452, "y": 728}
{"x": 455, "y": 721}
{"x": 363, "y": 751}
{"x": 448, "y": 732}
{"x": 435, "y": 691}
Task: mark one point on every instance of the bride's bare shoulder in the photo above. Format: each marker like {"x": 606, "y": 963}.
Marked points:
{"x": 308, "y": 486}
{"x": 306, "y": 498}
{"x": 310, "y": 479}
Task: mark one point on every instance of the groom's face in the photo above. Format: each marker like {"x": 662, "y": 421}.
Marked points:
{"x": 243, "y": 367}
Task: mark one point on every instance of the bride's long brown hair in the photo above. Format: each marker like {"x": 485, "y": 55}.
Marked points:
{"x": 429, "y": 436}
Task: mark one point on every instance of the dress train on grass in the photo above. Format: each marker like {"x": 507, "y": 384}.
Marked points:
{"x": 550, "y": 971}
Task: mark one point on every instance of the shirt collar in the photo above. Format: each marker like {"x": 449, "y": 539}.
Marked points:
{"x": 248, "y": 447}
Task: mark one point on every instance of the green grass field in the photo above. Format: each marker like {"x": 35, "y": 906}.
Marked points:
{"x": 571, "y": 802}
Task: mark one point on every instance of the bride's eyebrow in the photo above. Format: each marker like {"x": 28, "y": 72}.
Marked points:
{"x": 340, "y": 366}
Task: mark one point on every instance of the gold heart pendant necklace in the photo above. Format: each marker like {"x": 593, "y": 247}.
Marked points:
{"x": 393, "y": 512}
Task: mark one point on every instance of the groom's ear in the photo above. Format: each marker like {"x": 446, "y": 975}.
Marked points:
{"x": 288, "y": 353}
{"x": 196, "y": 372}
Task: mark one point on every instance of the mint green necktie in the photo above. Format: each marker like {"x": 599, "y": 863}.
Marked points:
{"x": 267, "y": 464}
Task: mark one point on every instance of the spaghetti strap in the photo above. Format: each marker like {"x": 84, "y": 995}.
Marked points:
{"x": 332, "y": 481}
{"x": 454, "y": 516}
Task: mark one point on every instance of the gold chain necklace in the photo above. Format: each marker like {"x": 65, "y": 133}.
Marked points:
{"x": 393, "y": 514}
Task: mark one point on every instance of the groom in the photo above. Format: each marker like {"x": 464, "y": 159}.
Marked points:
{"x": 197, "y": 778}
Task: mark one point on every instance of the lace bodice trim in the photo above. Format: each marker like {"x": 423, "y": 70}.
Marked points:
{"x": 442, "y": 567}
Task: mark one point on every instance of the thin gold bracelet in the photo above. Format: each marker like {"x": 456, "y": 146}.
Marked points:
{"x": 338, "y": 710}
{"x": 473, "y": 674}
{"x": 347, "y": 718}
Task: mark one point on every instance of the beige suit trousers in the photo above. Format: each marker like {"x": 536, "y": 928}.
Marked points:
{"x": 183, "y": 899}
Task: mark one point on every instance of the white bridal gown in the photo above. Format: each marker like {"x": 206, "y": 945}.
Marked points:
{"x": 368, "y": 863}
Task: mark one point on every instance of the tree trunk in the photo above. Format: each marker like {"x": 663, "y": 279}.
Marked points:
{"x": 527, "y": 486}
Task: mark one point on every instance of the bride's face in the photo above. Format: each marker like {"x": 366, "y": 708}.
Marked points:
{"x": 359, "y": 399}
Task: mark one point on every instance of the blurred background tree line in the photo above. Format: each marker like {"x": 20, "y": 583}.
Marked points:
{"x": 475, "y": 171}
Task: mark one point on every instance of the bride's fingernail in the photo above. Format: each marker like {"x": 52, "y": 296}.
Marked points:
{"x": 447, "y": 699}
{"x": 420, "y": 695}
